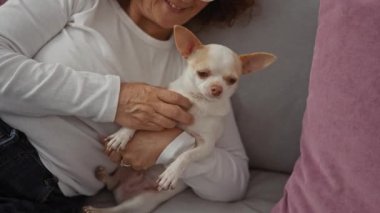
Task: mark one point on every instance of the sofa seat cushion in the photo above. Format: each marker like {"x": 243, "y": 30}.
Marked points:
{"x": 264, "y": 190}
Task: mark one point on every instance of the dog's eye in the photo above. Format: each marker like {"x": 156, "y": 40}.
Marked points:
{"x": 203, "y": 74}
{"x": 230, "y": 80}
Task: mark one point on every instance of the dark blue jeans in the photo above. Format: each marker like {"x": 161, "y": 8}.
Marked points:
{"x": 25, "y": 184}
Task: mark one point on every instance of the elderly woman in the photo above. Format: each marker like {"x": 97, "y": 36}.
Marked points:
{"x": 73, "y": 71}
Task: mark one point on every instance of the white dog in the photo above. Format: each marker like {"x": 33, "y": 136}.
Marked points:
{"x": 209, "y": 80}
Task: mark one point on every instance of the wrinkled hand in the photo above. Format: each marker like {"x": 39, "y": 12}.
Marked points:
{"x": 144, "y": 148}
{"x": 145, "y": 107}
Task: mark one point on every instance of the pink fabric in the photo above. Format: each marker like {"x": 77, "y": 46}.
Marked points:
{"x": 339, "y": 167}
{"x": 2, "y": 2}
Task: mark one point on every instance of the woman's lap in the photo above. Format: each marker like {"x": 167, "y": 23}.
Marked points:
{"x": 25, "y": 184}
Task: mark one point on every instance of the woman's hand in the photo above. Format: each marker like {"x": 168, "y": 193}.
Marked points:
{"x": 145, "y": 107}
{"x": 144, "y": 148}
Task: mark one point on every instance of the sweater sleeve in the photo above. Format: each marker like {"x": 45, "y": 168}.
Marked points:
{"x": 31, "y": 88}
{"x": 222, "y": 176}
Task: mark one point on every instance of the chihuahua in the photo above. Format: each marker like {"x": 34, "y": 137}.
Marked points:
{"x": 209, "y": 80}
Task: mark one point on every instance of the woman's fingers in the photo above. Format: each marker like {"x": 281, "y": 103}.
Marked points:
{"x": 156, "y": 116}
{"x": 163, "y": 121}
{"x": 173, "y": 112}
{"x": 150, "y": 126}
{"x": 174, "y": 98}
{"x": 145, "y": 107}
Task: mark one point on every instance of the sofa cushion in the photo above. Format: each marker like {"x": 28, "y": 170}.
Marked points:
{"x": 339, "y": 170}
{"x": 264, "y": 191}
{"x": 269, "y": 105}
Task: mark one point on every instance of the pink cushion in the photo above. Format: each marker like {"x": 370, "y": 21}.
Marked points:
{"x": 339, "y": 167}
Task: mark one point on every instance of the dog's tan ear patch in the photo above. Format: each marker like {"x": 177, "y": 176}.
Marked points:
{"x": 186, "y": 41}
{"x": 256, "y": 61}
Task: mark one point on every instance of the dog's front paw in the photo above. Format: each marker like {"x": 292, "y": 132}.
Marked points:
{"x": 169, "y": 178}
{"x": 119, "y": 139}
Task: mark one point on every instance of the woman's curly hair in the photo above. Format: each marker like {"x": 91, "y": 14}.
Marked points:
{"x": 223, "y": 12}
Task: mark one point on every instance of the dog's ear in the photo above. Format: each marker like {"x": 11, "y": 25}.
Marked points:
{"x": 185, "y": 41}
{"x": 256, "y": 61}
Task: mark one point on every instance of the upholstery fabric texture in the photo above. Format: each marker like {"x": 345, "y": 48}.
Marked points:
{"x": 338, "y": 170}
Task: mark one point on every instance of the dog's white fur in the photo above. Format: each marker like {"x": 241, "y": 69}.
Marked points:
{"x": 209, "y": 81}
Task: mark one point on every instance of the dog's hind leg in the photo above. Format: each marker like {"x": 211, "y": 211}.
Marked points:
{"x": 116, "y": 209}
{"x": 143, "y": 203}
{"x": 110, "y": 181}
{"x": 90, "y": 209}
{"x": 148, "y": 201}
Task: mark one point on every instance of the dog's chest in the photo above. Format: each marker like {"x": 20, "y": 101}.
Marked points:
{"x": 205, "y": 122}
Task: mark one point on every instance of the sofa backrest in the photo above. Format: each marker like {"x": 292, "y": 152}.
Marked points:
{"x": 269, "y": 105}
